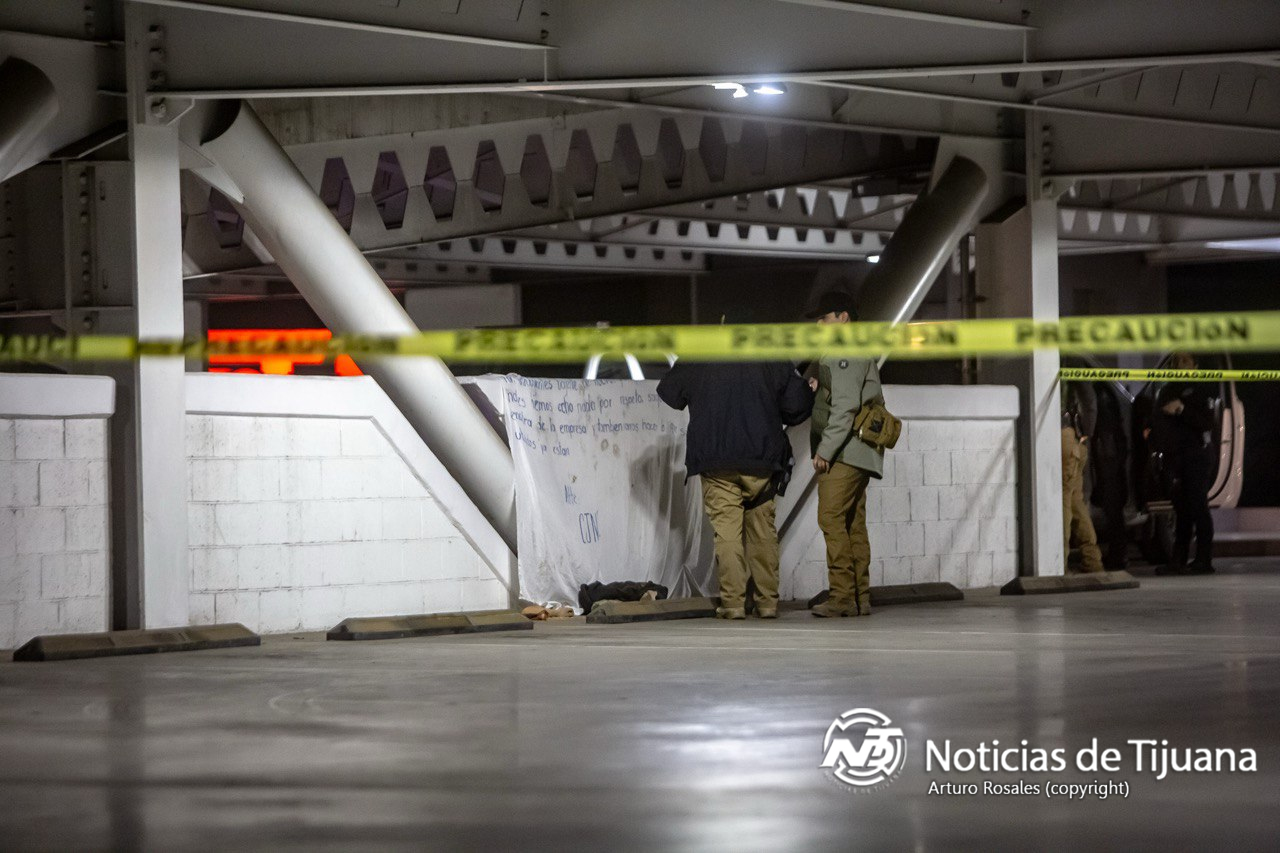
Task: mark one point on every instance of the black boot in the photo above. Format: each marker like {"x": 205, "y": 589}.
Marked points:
{"x": 1177, "y": 562}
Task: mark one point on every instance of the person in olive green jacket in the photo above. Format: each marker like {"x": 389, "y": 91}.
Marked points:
{"x": 844, "y": 465}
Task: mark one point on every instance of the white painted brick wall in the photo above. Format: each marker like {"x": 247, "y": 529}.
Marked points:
{"x": 298, "y": 522}
{"x": 54, "y": 566}
{"x": 944, "y": 511}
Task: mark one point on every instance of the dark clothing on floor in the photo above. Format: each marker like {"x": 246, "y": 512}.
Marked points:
{"x": 590, "y": 593}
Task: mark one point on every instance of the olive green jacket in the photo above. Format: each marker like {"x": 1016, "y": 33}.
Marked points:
{"x": 844, "y": 384}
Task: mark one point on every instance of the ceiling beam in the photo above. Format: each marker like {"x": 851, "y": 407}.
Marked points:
{"x": 804, "y": 207}
{"x": 1048, "y": 108}
{"x": 833, "y": 124}
{"x": 912, "y": 14}
{"x": 729, "y": 239}
{"x": 802, "y": 76}
{"x": 1087, "y": 81}
{"x": 1142, "y": 174}
{"x": 472, "y": 260}
{"x": 343, "y": 24}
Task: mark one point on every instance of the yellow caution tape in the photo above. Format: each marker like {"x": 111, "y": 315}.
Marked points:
{"x": 1097, "y": 374}
{"x": 1259, "y": 331}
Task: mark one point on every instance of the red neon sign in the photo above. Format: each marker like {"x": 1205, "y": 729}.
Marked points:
{"x": 280, "y": 365}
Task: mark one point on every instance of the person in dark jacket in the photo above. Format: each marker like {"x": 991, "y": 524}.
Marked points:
{"x": 737, "y": 444}
{"x": 1110, "y": 450}
{"x": 1079, "y": 416}
{"x": 1182, "y": 427}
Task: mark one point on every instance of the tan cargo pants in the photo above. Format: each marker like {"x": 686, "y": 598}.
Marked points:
{"x": 1075, "y": 509}
{"x": 746, "y": 535}
{"x": 842, "y": 517}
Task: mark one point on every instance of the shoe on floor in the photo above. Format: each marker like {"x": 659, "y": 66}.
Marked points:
{"x": 831, "y": 611}
{"x": 731, "y": 613}
{"x": 1202, "y": 569}
{"x": 766, "y": 613}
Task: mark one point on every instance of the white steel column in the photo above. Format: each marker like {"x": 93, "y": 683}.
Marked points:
{"x": 160, "y": 381}
{"x": 1017, "y": 270}
{"x": 340, "y": 285}
{"x": 152, "y": 487}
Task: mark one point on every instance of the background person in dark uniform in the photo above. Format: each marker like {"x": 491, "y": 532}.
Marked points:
{"x": 736, "y": 442}
{"x": 1109, "y": 453}
{"x": 1181, "y": 430}
{"x": 1079, "y": 417}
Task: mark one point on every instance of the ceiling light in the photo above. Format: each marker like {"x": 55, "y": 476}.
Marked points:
{"x": 771, "y": 89}
{"x": 739, "y": 91}
{"x": 1259, "y": 244}
{"x": 873, "y": 259}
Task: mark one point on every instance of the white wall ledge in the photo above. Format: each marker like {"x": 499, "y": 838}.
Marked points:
{"x": 952, "y": 402}
{"x": 56, "y": 395}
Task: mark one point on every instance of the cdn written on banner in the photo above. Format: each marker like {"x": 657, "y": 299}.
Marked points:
{"x": 601, "y": 493}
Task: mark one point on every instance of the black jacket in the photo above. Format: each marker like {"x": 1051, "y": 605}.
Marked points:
{"x": 737, "y": 412}
{"x": 1186, "y": 434}
{"x": 1080, "y": 407}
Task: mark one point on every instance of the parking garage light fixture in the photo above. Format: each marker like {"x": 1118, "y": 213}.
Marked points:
{"x": 739, "y": 91}
{"x": 873, "y": 259}
{"x": 1269, "y": 245}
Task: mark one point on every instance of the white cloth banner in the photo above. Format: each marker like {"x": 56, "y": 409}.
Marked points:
{"x": 600, "y": 488}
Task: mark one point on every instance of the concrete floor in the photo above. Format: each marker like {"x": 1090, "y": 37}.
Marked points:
{"x": 698, "y": 735}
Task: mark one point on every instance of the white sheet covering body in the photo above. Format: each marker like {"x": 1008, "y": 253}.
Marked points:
{"x": 600, "y": 488}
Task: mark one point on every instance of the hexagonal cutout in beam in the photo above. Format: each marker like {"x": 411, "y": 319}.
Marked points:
{"x": 489, "y": 179}
{"x": 440, "y": 183}
{"x": 535, "y": 171}
{"x": 754, "y": 148}
{"x": 627, "y": 161}
{"x": 713, "y": 149}
{"x": 671, "y": 153}
{"x": 581, "y": 167}
{"x": 390, "y": 191}
{"x": 337, "y": 193}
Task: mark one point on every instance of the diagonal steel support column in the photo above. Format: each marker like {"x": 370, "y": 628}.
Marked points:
{"x": 28, "y": 103}
{"x": 923, "y": 242}
{"x": 339, "y": 283}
